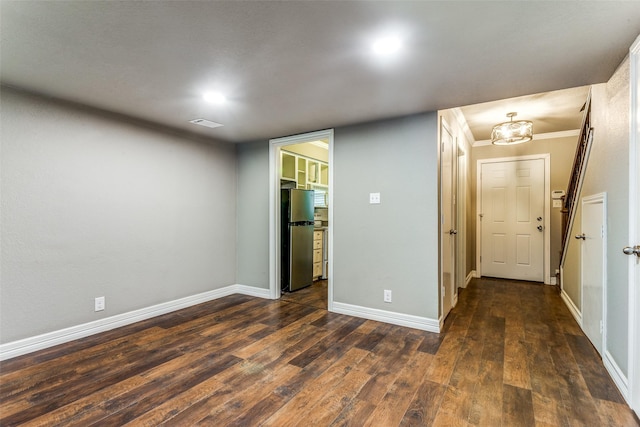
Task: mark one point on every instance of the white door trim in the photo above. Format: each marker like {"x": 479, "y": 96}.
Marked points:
{"x": 461, "y": 214}
{"x": 274, "y": 212}
{"x": 453, "y": 296}
{"x": 634, "y": 231}
{"x": 547, "y": 209}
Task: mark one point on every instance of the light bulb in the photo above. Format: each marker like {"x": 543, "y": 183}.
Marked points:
{"x": 214, "y": 97}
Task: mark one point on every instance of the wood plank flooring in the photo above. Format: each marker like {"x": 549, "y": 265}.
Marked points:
{"x": 510, "y": 355}
{"x": 314, "y": 295}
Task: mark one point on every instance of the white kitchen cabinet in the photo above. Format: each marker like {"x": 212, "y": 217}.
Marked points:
{"x": 317, "y": 244}
{"x": 307, "y": 173}
{"x": 318, "y": 241}
{"x": 287, "y": 166}
{"x": 317, "y": 270}
{"x": 302, "y": 173}
{"x": 324, "y": 174}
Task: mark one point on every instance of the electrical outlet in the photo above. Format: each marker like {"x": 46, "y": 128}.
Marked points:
{"x": 387, "y": 295}
{"x": 374, "y": 198}
{"x": 99, "y": 304}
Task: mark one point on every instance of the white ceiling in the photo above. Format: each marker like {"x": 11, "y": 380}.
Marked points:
{"x": 290, "y": 67}
{"x": 550, "y": 112}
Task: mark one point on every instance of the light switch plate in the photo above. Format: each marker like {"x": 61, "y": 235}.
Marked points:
{"x": 557, "y": 203}
{"x": 374, "y": 198}
{"x": 99, "y": 304}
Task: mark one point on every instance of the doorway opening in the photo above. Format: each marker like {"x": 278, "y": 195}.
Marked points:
{"x": 300, "y": 164}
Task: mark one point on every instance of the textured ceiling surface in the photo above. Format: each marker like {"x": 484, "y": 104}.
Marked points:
{"x": 550, "y": 112}
{"x": 290, "y": 67}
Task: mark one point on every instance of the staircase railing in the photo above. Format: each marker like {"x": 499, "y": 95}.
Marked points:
{"x": 577, "y": 176}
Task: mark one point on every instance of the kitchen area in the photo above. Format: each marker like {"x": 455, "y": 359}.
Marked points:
{"x": 304, "y": 183}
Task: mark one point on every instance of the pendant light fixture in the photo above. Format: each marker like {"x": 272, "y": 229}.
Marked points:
{"x": 510, "y": 133}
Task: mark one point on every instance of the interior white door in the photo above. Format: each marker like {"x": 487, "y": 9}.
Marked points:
{"x": 512, "y": 219}
{"x": 448, "y": 219}
{"x": 592, "y": 268}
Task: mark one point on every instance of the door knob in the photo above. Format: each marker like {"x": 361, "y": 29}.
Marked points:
{"x": 452, "y": 231}
{"x": 632, "y": 250}
{"x": 581, "y": 236}
{"x": 540, "y": 228}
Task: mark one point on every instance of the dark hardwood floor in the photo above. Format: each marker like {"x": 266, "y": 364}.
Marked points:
{"x": 314, "y": 295}
{"x": 510, "y": 355}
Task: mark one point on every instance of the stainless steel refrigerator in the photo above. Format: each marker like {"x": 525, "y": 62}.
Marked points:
{"x": 296, "y": 239}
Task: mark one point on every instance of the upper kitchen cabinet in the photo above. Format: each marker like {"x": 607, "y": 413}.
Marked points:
{"x": 317, "y": 172}
{"x": 288, "y": 166}
{"x": 307, "y": 173}
{"x": 324, "y": 174}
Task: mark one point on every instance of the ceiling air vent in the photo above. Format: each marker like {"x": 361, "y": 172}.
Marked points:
{"x": 204, "y": 122}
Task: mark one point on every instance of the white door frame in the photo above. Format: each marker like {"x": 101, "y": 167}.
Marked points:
{"x": 634, "y": 228}
{"x": 547, "y": 209}
{"x": 274, "y": 208}
{"x": 461, "y": 215}
{"x": 600, "y": 198}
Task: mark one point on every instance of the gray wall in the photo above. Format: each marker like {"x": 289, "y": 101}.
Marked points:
{"x": 388, "y": 246}
{"x": 562, "y": 152}
{"x": 93, "y": 205}
{"x": 393, "y": 245}
{"x": 608, "y": 171}
{"x": 253, "y": 214}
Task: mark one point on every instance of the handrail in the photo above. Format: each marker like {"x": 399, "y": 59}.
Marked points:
{"x": 577, "y": 176}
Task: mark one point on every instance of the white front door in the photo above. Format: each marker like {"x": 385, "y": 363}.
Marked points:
{"x": 448, "y": 290}
{"x": 592, "y": 265}
{"x": 512, "y": 219}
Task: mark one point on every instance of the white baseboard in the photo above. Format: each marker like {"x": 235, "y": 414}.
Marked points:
{"x": 610, "y": 364}
{"x": 400, "y": 319}
{"x": 470, "y": 276}
{"x": 572, "y": 307}
{"x": 616, "y": 374}
{"x": 252, "y": 291}
{"x": 553, "y": 281}
{"x": 50, "y": 339}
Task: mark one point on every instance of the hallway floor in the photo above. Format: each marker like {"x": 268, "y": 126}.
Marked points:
{"x": 517, "y": 343}
{"x": 510, "y": 355}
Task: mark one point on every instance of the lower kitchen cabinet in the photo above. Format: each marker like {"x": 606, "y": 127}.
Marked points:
{"x": 318, "y": 241}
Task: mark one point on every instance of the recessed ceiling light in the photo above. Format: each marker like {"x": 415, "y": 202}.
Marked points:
{"x": 386, "y": 45}
{"x": 214, "y": 97}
